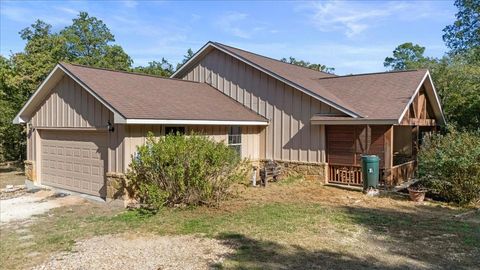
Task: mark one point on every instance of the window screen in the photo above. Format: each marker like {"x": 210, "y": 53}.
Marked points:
{"x": 235, "y": 138}
{"x": 174, "y": 130}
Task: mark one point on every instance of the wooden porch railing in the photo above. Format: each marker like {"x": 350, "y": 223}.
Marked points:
{"x": 400, "y": 173}
{"x": 345, "y": 174}
{"x": 352, "y": 175}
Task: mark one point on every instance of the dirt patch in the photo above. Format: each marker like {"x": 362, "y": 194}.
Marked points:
{"x": 13, "y": 177}
{"x": 31, "y": 204}
{"x": 141, "y": 252}
{"x": 11, "y": 192}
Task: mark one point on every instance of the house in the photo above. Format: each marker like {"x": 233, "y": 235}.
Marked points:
{"x": 84, "y": 123}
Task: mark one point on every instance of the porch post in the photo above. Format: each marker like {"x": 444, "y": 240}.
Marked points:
{"x": 388, "y": 154}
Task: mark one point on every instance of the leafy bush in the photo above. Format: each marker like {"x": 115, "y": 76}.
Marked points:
{"x": 184, "y": 170}
{"x": 450, "y": 165}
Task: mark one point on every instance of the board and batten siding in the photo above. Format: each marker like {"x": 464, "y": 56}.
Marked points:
{"x": 67, "y": 107}
{"x": 289, "y": 136}
{"x": 136, "y": 135}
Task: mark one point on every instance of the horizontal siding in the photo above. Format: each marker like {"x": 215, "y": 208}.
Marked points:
{"x": 69, "y": 105}
{"x": 289, "y": 136}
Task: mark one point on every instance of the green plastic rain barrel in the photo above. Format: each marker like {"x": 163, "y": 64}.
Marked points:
{"x": 370, "y": 171}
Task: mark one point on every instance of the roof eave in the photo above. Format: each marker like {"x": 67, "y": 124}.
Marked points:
{"x": 354, "y": 121}
{"x": 23, "y": 114}
{"x": 139, "y": 121}
{"x": 437, "y": 99}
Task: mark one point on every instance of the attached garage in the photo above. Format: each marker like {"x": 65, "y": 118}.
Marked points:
{"x": 75, "y": 161}
{"x": 84, "y": 124}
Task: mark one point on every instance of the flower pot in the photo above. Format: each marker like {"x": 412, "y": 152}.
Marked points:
{"x": 417, "y": 195}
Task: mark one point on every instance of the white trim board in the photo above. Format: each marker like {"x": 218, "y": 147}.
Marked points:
{"x": 355, "y": 122}
{"x": 192, "y": 122}
{"x": 412, "y": 98}
{"x": 42, "y": 88}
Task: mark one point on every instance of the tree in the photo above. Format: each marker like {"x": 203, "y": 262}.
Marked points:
{"x": 162, "y": 68}
{"x": 302, "y": 63}
{"x": 115, "y": 58}
{"x": 458, "y": 85}
{"x": 185, "y": 58}
{"x": 88, "y": 42}
{"x": 406, "y": 56}
{"x": 12, "y": 137}
{"x": 464, "y": 33}
{"x": 43, "y": 49}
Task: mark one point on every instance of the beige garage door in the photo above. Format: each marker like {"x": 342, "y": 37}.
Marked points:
{"x": 74, "y": 160}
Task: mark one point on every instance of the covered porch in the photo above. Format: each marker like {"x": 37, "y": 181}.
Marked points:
{"x": 395, "y": 141}
{"x": 396, "y": 146}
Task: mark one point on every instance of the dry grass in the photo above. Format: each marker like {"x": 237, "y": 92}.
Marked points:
{"x": 296, "y": 224}
{"x": 11, "y": 174}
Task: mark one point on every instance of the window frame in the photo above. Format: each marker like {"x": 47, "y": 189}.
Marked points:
{"x": 180, "y": 130}
{"x": 234, "y": 138}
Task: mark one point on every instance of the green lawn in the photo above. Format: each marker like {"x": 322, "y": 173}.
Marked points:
{"x": 296, "y": 225}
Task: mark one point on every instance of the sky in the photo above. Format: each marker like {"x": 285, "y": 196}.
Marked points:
{"x": 351, "y": 36}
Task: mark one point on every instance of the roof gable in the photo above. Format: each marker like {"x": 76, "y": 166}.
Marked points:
{"x": 302, "y": 79}
{"x": 384, "y": 95}
{"x": 138, "y": 98}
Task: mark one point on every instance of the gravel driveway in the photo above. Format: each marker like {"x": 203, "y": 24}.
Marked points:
{"x": 30, "y": 204}
{"x": 140, "y": 252}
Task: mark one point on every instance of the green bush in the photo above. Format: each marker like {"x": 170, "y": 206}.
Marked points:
{"x": 184, "y": 170}
{"x": 450, "y": 165}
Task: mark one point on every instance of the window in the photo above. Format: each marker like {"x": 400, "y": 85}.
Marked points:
{"x": 235, "y": 138}
{"x": 174, "y": 130}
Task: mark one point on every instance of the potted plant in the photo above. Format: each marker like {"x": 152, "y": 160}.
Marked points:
{"x": 417, "y": 192}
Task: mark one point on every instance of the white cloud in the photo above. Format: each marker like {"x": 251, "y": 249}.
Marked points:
{"x": 230, "y": 23}
{"x": 242, "y": 25}
{"x": 353, "y": 18}
{"x": 350, "y": 17}
{"x": 68, "y": 10}
{"x": 29, "y": 15}
{"x": 130, "y": 3}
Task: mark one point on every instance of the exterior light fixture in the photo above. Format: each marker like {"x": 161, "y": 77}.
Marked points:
{"x": 110, "y": 127}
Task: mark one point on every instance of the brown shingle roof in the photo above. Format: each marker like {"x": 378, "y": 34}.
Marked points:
{"x": 375, "y": 95}
{"x": 301, "y": 76}
{"x": 139, "y": 96}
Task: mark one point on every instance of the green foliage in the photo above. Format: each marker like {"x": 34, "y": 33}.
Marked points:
{"x": 88, "y": 42}
{"x": 302, "y": 63}
{"x": 12, "y": 137}
{"x": 406, "y": 56}
{"x": 186, "y": 58}
{"x": 464, "y": 33}
{"x": 458, "y": 84}
{"x": 185, "y": 170}
{"x": 456, "y": 79}
{"x": 162, "y": 68}
{"x": 450, "y": 165}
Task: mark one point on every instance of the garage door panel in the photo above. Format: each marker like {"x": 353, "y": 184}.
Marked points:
{"x": 74, "y": 161}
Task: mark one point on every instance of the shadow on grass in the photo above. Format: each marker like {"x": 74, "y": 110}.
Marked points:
{"x": 428, "y": 234}
{"x": 256, "y": 254}
{"x": 426, "y": 237}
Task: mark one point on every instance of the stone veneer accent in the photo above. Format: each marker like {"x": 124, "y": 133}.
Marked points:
{"x": 116, "y": 186}
{"x": 30, "y": 172}
{"x": 310, "y": 170}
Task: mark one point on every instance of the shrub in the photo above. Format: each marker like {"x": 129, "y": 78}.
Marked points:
{"x": 450, "y": 165}
{"x": 184, "y": 170}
